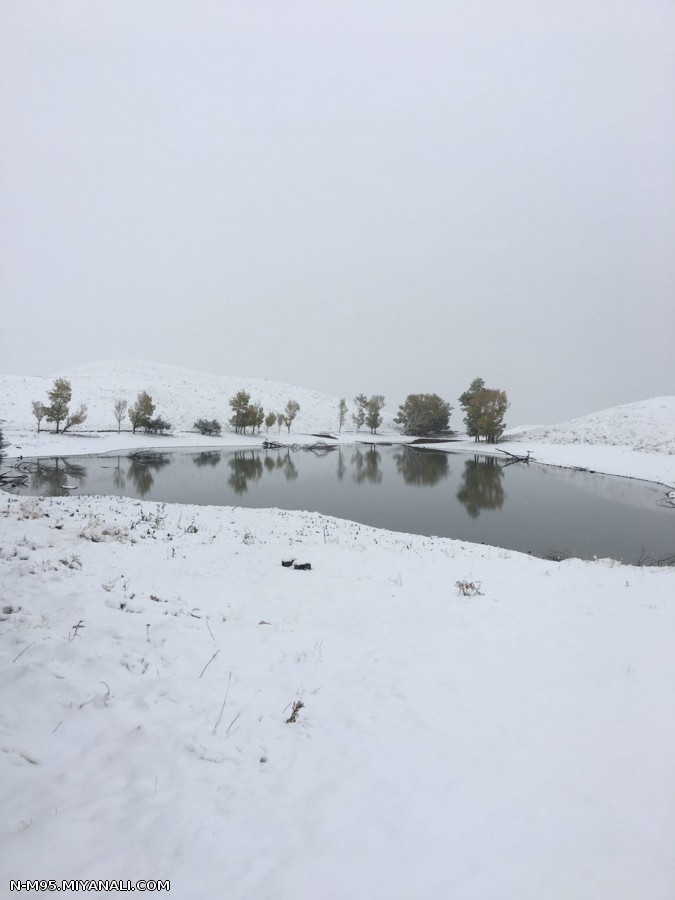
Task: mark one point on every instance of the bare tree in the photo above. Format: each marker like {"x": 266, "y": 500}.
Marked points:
{"x": 342, "y": 412}
{"x": 39, "y": 411}
{"x": 120, "y": 410}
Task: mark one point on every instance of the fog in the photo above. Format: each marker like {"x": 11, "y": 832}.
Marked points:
{"x": 378, "y": 196}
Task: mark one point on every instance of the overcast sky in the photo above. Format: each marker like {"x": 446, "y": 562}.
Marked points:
{"x": 375, "y": 196}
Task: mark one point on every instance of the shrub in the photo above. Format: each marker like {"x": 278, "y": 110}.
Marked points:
{"x": 157, "y": 426}
{"x": 206, "y": 426}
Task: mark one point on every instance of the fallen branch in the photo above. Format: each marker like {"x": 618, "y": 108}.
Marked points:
{"x": 515, "y": 457}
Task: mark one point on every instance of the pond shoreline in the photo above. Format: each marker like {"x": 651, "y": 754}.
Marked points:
{"x": 455, "y": 491}
{"x": 605, "y": 459}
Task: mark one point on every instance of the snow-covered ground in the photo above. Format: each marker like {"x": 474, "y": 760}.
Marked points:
{"x": 516, "y": 743}
{"x": 476, "y": 724}
{"x": 636, "y": 440}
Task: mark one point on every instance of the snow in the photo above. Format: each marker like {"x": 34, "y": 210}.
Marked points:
{"x": 619, "y": 438}
{"x": 512, "y": 744}
{"x": 180, "y": 395}
{"x": 636, "y": 440}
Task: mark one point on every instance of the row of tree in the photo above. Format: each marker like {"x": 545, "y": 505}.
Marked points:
{"x": 484, "y": 410}
{"x": 428, "y": 414}
{"x": 421, "y": 414}
{"x": 141, "y": 413}
{"x": 245, "y": 414}
{"x": 368, "y": 412}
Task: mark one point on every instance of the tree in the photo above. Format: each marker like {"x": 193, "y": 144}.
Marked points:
{"x": 489, "y": 408}
{"x": 240, "y": 403}
{"x": 281, "y": 421}
{"x": 58, "y": 410}
{"x": 484, "y": 411}
{"x": 424, "y": 414}
{"x": 374, "y": 412}
{"x": 140, "y": 413}
{"x": 465, "y": 401}
{"x": 157, "y": 426}
{"x": 39, "y": 411}
{"x": 76, "y": 418}
{"x": 59, "y": 397}
{"x": 359, "y": 417}
{"x": 270, "y": 420}
{"x": 207, "y": 426}
{"x": 291, "y": 411}
{"x": 3, "y": 444}
{"x": 342, "y": 412}
{"x": 259, "y": 417}
{"x": 120, "y": 410}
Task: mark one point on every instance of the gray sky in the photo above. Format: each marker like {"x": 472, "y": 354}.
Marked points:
{"x": 376, "y": 196}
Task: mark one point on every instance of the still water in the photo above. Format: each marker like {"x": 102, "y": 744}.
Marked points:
{"x": 531, "y": 508}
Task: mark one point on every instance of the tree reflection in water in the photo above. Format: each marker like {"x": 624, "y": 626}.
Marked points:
{"x": 119, "y": 477}
{"x": 50, "y": 478}
{"x": 366, "y": 466}
{"x": 207, "y": 458}
{"x": 421, "y": 467}
{"x": 482, "y": 486}
{"x": 285, "y": 463}
{"x": 246, "y": 466}
{"x": 141, "y": 470}
{"x": 341, "y": 466}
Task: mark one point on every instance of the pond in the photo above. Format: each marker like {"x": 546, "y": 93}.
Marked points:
{"x": 539, "y": 509}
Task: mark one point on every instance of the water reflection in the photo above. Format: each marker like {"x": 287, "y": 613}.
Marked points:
{"x": 548, "y": 509}
{"x": 421, "y": 467}
{"x": 341, "y": 466}
{"x": 366, "y": 465}
{"x": 482, "y": 486}
{"x": 285, "y": 462}
{"x": 207, "y": 458}
{"x": 141, "y": 469}
{"x": 56, "y": 476}
{"x": 246, "y": 466}
{"x": 119, "y": 477}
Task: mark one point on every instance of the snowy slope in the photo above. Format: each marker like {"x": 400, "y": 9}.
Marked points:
{"x": 648, "y": 425}
{"x": 180, "y": 395}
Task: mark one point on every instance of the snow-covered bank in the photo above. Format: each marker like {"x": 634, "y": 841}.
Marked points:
{"x": 609, "y": 460}
{"x": 636, "y": 440}
{"x": 516, "y": 743}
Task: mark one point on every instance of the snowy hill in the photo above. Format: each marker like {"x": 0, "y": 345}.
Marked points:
{"x": 648, "y": 425}
{"x": 180, "y": 395}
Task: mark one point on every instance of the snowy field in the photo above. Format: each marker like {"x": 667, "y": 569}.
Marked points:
{"x": 476, "y": 724}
